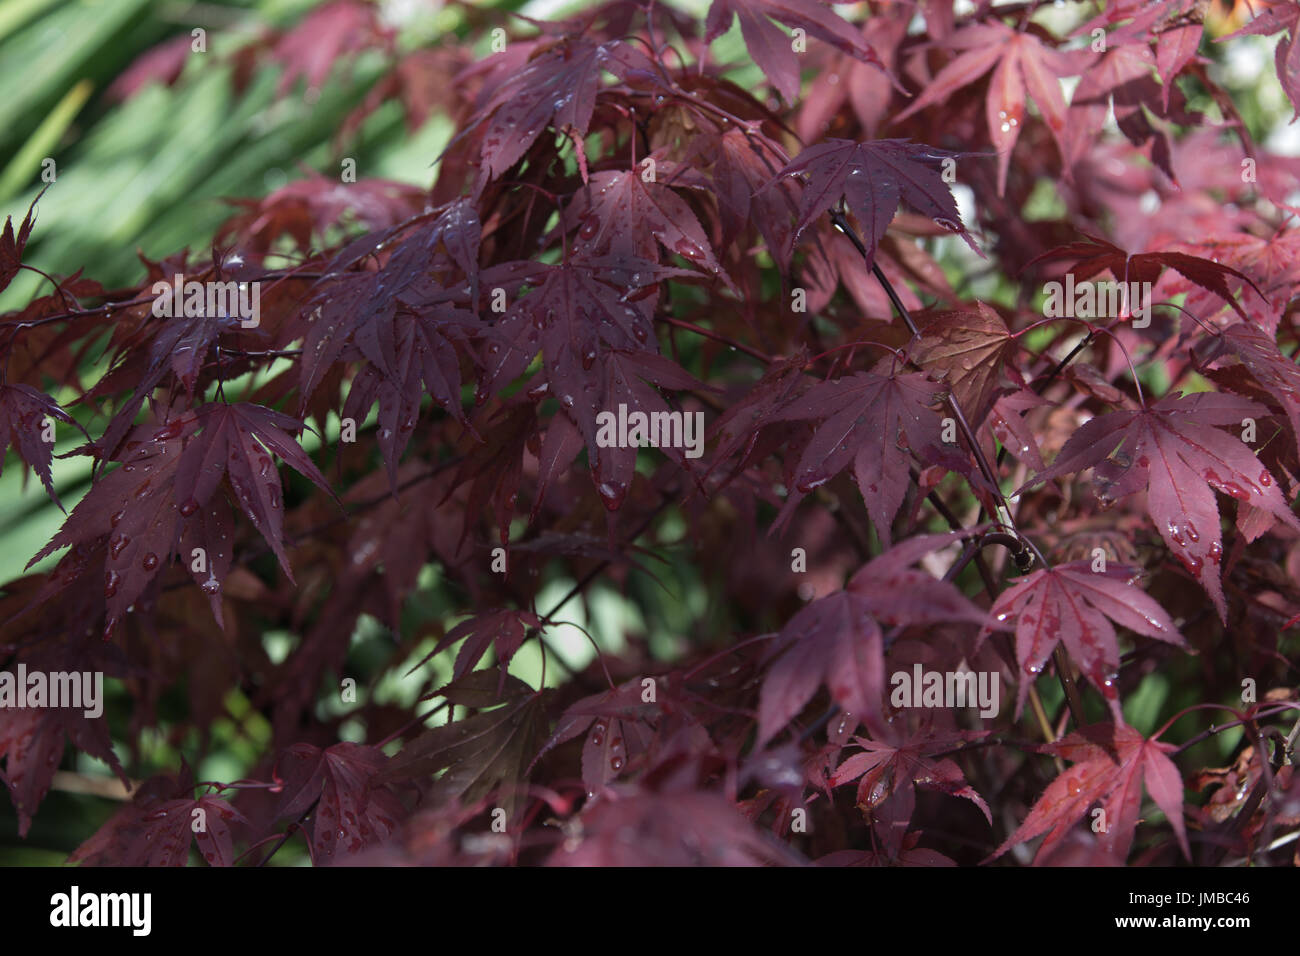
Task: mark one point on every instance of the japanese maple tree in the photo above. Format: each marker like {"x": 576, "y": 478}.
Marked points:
{"x": 830, "y": 237}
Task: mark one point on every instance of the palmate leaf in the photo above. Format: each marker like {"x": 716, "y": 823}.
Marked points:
{"x": 891, "y": 768}
{"x": 1093, "y": 256}
{"x": 599, "y": 353}
{"x": 487, "y": 753}
{"x": 897, "y": 593}
{"x": 1020, "y": 62}
{"x": 503, "y": 630}
{"x": 1174, "y": 452}
{"x": 556, "y": 88}
{"x": 833, "y": 641}
{"x": 131, "y": 515}
{"x": 674, "y": 829}
{"x": 23, "y": 411}
{"x": 969, "y": 352}
{"x": 237, "y": 441}
{"x": 872, "y": 422}
{"x": 1073, "y": 605}
{"x": 872, "y": 178}
{"x": 771, "y": 49}
{"x": 352, "y": 809}
{"x": 622, "y": 215}
{"x": 159, "y": 833}
{"x": 12, "y": 246}
{"x": 1110, "y": 763}
{"x": 1258, "y": 352}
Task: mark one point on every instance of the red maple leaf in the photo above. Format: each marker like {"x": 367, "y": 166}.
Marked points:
{"x": 503, "y": 630}
{"x": 1093, "y": 256}
{"x": 771, "y": 49}
{"x": 970, "y": 352}
{"x": 872, "y": 422}
{"x": 597, "y": 348}
{"x": 311, "y": 48}
{"x": 237, "y": 441}
{"x": 557, "y": 88}
{"x": 131, "y": 513}
{"x": 897, "y": 593}
{"x": 1173, "y": 451}
{"x": 1258, "y": 352}
{"x": 890, "y": 769}
{"x": 622, "y": 215}
{"x": 25, "y": 410}
{"x": 352, "y": 810}
{"x": 1110, "y": 764}
{"x": 872, "y": 178}
{"x": 11, "y": 246}
{"x": 833, "y": 641}
{"x": 1074, "y": 605}
{"x": 1020, "y": 61}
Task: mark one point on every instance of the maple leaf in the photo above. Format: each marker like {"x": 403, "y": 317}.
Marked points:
{"x": 156, "y": 827}
{"x": 1072, "y": 604}
{"x": 311, "y": 48}
{"x": 352, "y": 809}
{"x": 872, "y": 178}
{"x": 772, "y": 49}
{"x": 495, "y": 467}
{"x": 870, "y": 421}
{"x": 1009, "y": 426}
{"x": 504, "y": 630}
{"x": 11, "y": 246}
{"x": 1122, "y": 81}
{"x": 596, "y": 358}
{"x": 32, "y": 740}
{"x": 1020, "y": 61}
{"x": 619, "y": 213}
{"x": 25, "y": 409}
{"x": 897, "y": 593}
{"x": 1258, "y": 353}
{"x": 621, "y": 724}
{"x": 1173, "y": 451}
{"x": 308, "y": 207}
{"x": 1110, "y": 763}
{"x": 1093, "y": 256}
{"x": 162, "y": 63}
{"x": 133, "y": 513}
{"x": 969, "y": 352}
{"x": 179, "y": 345}
{"x": 480, "y": 755}
{"x": 237, "y": 441}
{"x": 890, "y": 770}
{"x": 835, "y": 641}
{"x": 557, "y": 88}
{"x": 159, "y": 833}
{"x": 398, "y": 317}
{"x": 691, "y": 828}
{"x": 743, "y": 164}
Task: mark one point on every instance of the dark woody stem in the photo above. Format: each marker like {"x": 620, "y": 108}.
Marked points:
{"x": 1064, "y": 667}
